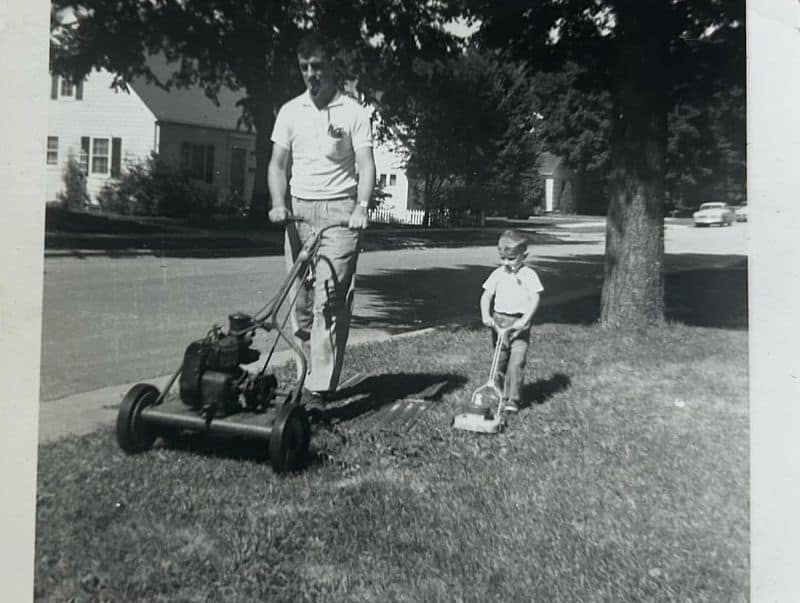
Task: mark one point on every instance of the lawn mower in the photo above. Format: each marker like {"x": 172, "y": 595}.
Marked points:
{"x": 218, "y": 396}
{"x": 484, "y": 413}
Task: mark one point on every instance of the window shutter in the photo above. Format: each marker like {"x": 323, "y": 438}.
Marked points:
{"x": 210, "y": 164}
{"x": 186, "y": 157}
{"x": 79, "y": 90}
{"x": 85, "y": 153}
{"x": 116, "y": 157}
{"x": 54, "y": 87}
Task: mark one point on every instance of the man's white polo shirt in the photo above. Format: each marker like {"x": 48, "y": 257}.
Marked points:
{"x": 322, "y": 143}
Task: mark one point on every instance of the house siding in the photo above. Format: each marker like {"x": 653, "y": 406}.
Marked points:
{"x": 173, "y": 135}
{"x": 389, "y": 161}
{"x": 102, "y": 113}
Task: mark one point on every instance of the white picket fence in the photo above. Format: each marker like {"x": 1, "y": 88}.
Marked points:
{"x": 395, "y": 216}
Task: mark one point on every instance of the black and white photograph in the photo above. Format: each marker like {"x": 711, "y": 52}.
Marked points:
{"x": 403, "y": 300}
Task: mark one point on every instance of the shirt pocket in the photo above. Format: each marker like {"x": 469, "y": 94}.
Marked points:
{"x": 338, "y": 144}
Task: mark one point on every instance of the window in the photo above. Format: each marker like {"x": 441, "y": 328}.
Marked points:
{"x": 197, "y": 161}
{"x": 382, "y": 180}
{"x": 103, "y": 154}
{"x": 392, "y": 179}
{"x": 116, "y": 157}
{"x": 100, "y": 155}
{"x": 63, "y": 88}
{"x": 52, "y": 150}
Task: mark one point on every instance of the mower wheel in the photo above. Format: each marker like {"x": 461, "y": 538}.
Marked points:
{"x": 133, "y": 435}
{"x": 289, "y": 439}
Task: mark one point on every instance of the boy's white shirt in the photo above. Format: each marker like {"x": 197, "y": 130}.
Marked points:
{"x": 514, "y": 292}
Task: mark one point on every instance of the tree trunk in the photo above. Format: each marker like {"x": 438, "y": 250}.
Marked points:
{"x": 263, "y": 120}
{"x": 633, "y": 289}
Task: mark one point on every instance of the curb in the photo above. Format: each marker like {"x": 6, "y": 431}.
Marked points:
{"x": 260, "y": 248}
{"x": 199, "y": 251}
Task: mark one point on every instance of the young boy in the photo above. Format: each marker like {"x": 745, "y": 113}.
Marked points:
{"x": 514, "y": 288}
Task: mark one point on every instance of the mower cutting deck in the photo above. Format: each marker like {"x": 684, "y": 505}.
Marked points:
{"x": 218, "y": 396}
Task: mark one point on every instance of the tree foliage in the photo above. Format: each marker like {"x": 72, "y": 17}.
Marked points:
{"x": 466, "y": 121}
{"x": 706, "y": 150}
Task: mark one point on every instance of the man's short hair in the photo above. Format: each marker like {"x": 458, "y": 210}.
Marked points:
{"x": 512, "y": 241}
{"x": 315, "y": 42}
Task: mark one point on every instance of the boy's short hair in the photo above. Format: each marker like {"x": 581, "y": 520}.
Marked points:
{"x": 512, "y": 241}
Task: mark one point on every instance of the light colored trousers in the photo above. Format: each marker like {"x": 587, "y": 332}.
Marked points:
{"x": 511, "y": 368}
{"x": 321, "y": 320}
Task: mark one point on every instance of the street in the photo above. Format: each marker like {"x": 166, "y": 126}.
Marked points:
{"x": 109, "y": 321}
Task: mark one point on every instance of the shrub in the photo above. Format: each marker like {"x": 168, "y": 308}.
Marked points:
{"x": 74, "y": 195}
{"x": 152, "y": 187}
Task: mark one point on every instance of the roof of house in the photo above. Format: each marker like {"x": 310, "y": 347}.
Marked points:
{"x": 187, "y": 105}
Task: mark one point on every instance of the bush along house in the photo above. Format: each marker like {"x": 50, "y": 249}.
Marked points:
{"x": 104, "y": 130}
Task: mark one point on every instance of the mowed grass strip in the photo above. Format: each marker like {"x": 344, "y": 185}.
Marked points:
{"x": 625, "y": 479}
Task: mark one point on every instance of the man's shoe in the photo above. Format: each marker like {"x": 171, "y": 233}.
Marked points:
{"x": 316, "y": 400}
{"x": 510, "y": 406}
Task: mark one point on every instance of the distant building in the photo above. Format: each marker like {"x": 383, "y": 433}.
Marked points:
{"x": 395, "y": 190}
{"x": 566, "y": 190}
{"x": 559, "y": 183}
{"x": 398, "y": 190}
{"x": 105, "y": 129}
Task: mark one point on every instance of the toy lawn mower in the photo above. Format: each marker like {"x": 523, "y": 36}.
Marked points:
{"x": 217, "y": 396}
{"x": 484, "y": 414}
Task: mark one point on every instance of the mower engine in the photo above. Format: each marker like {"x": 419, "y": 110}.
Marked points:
{"x": 212, "y": 378}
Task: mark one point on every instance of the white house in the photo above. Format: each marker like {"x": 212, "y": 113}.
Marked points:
{"x": 105, "y": 128}
{"x": 391, "y": 178}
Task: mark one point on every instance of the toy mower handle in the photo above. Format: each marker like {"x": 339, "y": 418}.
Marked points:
{"x": 502, "y": 332}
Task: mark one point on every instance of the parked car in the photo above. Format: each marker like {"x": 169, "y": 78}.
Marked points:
{"x": 741, "y": 213}
{"x": 714, "y": 213}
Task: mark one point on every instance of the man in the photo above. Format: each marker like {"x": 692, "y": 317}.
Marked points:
{"x": 325, "y": 139}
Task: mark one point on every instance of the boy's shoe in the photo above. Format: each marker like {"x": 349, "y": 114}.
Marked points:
{"x": 510, "y": 406}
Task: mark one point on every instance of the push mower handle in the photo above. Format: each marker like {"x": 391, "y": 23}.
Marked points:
{"x": 295, "y": 219}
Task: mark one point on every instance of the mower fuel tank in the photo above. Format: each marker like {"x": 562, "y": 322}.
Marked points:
{"x": 209, "y": 374}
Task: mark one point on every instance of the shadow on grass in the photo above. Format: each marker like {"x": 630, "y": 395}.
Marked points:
{"x": 701, "y": 290}
{"x": 541, "y": 390}
{"x": 233, "y": 448}
{"x": 377, "y": 391}
{"x": 371, "y": 394}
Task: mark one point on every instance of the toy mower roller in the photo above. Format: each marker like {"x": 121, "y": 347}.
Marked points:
{"x": 217, "y": 396}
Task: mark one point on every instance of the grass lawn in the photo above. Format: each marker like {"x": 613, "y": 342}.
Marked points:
{"x": 626, "y": 478}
